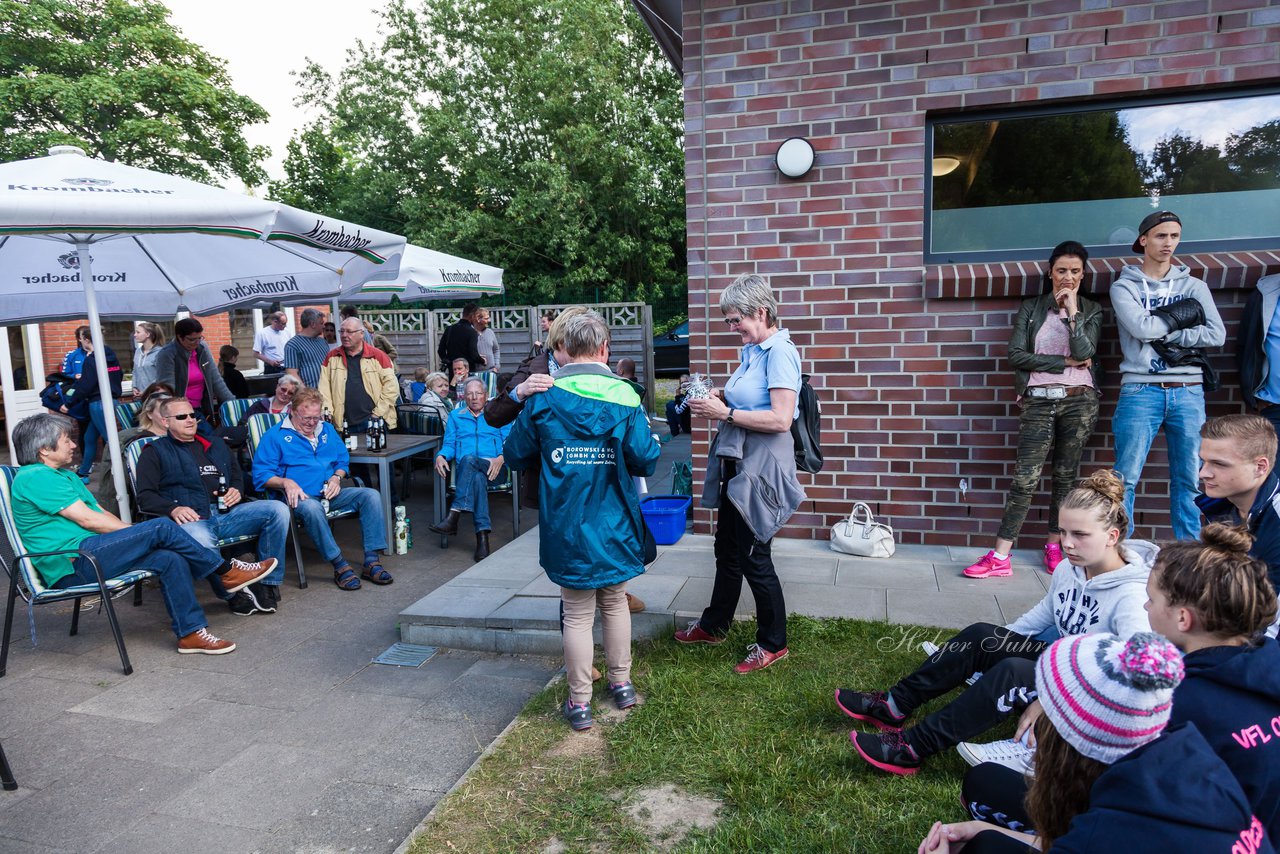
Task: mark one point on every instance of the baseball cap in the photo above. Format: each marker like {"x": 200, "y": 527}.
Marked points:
{"x": 1149, "y": 222}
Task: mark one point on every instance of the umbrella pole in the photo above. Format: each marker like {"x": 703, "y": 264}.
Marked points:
{"x": 7, "y": 383}
{"x": 104, "y": 383}
{"x": 334, "y": 316}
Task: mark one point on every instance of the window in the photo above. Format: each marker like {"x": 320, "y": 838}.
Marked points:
{"x": 1011, "y": 185}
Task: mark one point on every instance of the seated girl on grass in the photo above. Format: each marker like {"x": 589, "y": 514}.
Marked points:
{"x": 1111, "y": 773}
{"x": 1100, "y": 588}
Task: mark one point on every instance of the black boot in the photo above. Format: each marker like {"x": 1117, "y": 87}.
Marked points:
{"x": 482, "y": 545}
{"x": 448, "y": 525}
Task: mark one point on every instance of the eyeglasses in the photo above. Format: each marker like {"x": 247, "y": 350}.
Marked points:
{"x": 181, "y": 416}
{"x": 733, "y": 321}
{"x": 280, "y": 389}
{"x": 306, "y": 419}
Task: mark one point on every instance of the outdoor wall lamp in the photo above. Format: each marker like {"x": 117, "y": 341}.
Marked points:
{"x": 794, "y": 157}
{"x": 944, "y": 166}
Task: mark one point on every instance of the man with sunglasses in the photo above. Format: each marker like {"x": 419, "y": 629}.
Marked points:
{"x": 179, "y": 477}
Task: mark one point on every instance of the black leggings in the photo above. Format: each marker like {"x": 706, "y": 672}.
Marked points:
{"x": 997, "y": 795}
{"x": 1008, "y": 685}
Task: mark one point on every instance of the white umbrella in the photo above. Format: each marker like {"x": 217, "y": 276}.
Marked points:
{"x": 85, "y": 237}
{"x": 426, "y": 274}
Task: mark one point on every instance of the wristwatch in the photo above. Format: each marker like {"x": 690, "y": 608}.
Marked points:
{"x": 729, "y": 420}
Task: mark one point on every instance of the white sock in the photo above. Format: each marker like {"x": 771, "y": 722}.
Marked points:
{"x": 999, "y": 556}
{"x": 893, "y": 706}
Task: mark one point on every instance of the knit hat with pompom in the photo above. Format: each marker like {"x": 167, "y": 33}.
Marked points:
{"x": 1107, "y": 695}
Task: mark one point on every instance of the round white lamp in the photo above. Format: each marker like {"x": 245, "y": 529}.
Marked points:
{"x": 794, "y": 157}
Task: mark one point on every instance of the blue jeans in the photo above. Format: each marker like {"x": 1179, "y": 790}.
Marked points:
{"x": 163, "y": 547}
{"x": 269, "y": 520}
{"x": 1142, "y": 410}
{"x": 471, "y": 490}
{"x": 97, "y": 429}
{"x": 362, "y": 499}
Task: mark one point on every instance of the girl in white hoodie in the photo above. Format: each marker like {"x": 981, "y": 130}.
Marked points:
{"x": 1099, "y": 587}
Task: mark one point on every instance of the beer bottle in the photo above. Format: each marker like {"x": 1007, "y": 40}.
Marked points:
{"x": 221, "y": 494}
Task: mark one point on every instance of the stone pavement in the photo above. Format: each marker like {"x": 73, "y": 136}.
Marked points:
{"x": 296, "y": 742}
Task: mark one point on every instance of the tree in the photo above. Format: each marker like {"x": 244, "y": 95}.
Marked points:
{"x": 116, "y": 78}
{"x": 1180, "y": 165}
{"x": 544, "y": 138}
{"x": 1255, "y": 155}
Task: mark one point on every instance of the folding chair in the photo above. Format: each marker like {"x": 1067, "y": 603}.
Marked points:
{"x": 231, "y": 413}
{"x": 416, "y": 421}
{"x": 24, "y": 581}
{"x": 508, "y": 481}
{"x": 258, "y": 426}
{"x": 127, "y": 414}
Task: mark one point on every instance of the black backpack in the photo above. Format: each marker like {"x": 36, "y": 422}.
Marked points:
{"x": 806, "y": 431}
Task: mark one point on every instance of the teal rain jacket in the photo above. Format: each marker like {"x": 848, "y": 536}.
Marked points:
{"x": 589, "y": 436}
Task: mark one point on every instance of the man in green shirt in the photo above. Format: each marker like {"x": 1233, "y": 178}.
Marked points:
{"x": 53, "y": 511}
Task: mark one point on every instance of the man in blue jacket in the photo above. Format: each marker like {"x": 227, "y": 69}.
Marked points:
{"x": 180, "y": 476}
{"x": 304, "y": 458}
{"x": 477, "y": 450}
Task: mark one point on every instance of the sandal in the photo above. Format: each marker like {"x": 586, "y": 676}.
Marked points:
{"x": 346, "y": 578}
{"x": 375, "y": 573}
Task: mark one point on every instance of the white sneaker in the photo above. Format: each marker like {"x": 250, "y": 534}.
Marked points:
{"x": 1010, "y": 753}
{"x": 930, "y": 648}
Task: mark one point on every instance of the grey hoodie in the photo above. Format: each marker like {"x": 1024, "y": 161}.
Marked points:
{"x": 1111, "y": 602}
{"x": 1133, "y": 296}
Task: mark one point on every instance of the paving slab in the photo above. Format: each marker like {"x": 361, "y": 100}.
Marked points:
{"x": 824, "y": 600}
{"x": 459, "y": 605}
{"x": 869, "y": 572}
{"x": 947, "y": 608}
{"x": 162, "y": 834}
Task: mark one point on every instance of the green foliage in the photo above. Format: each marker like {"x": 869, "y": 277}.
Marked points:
{"x": 772, "y": 747}
{"x": 542, "y": 138}
{"x": 117, "y": 79}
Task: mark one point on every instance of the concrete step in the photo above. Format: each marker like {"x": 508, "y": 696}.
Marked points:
{"x": 506, "y": 603}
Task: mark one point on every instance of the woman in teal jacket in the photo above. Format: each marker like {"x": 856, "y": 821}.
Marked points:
{"x": 589, "y": 436}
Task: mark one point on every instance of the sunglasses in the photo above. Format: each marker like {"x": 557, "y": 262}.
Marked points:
{"x": 182, "y": 416}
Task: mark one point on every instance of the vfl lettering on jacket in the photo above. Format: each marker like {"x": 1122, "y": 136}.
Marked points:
{"x": 1077, "y": 614}
{"x": 1255, "y": 735}
{"x": 1250, "y": 838}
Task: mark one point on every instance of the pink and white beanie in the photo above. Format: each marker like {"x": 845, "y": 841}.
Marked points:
{"x": 1107, "y": 695}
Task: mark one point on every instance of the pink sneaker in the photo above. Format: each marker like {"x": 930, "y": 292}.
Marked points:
{"x": 990, "y": 567}
{"x": 1052, "y": 557}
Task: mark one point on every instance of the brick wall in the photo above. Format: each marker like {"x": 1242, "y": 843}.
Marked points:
{"x": 915, "y": 387}
{"x": 59, "y": 337}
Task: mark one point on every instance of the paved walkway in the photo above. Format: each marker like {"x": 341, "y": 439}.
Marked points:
{"x": 296, "y": 742}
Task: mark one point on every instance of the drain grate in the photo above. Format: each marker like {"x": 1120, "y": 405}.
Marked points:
{"x": 406, "y": 655}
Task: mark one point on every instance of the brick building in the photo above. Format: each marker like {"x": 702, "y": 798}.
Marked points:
{"x": 906, "y": 338}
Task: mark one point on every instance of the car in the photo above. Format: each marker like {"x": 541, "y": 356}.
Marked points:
{"x": 671, "y": 352}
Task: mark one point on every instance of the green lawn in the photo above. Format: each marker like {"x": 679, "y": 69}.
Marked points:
{"x": 771, "y": 746}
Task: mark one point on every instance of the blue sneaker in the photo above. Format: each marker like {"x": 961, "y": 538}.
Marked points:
{"x": 578, "y": 715}
{"x": 624, "y": 695}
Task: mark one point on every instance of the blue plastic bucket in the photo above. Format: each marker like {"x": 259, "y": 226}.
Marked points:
{"x": 666, "y": 516}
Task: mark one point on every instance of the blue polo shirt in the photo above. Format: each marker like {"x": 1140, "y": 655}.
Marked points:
{"x": 772, "y": 364}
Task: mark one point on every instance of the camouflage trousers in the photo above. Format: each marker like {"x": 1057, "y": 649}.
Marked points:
{"x": 1064, "y": 424}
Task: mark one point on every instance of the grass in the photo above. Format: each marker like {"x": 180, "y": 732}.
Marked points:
{"x": 771, "y": 746}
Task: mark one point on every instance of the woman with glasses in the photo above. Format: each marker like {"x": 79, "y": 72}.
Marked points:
{"x": 278, "y": 404}
{"x": 1055, "y": 336}
{"x": 188, "y": 367}
{"x": 751, "y": 472}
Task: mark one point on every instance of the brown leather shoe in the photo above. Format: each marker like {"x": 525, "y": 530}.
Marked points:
{"x": 448, "y": 525}
{"x": 634, "y": 604}
{"x": 201, "y": 642}
{"x": 242, "y": 574}
{"x": 482, "y": 546}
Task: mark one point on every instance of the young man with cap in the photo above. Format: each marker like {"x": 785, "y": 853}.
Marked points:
{"x": 1161, "y": 310}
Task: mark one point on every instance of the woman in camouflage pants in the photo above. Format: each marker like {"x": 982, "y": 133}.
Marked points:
{"x": 1055, "y": 336}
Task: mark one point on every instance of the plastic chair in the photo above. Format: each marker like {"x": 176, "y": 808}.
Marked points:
{"x": 508, "y": 481}
{"x": 258, "y": 426}
{"x": 24, "y": 581}
{"x": 231, "y": 413}
{"x": 127, "y": 414}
